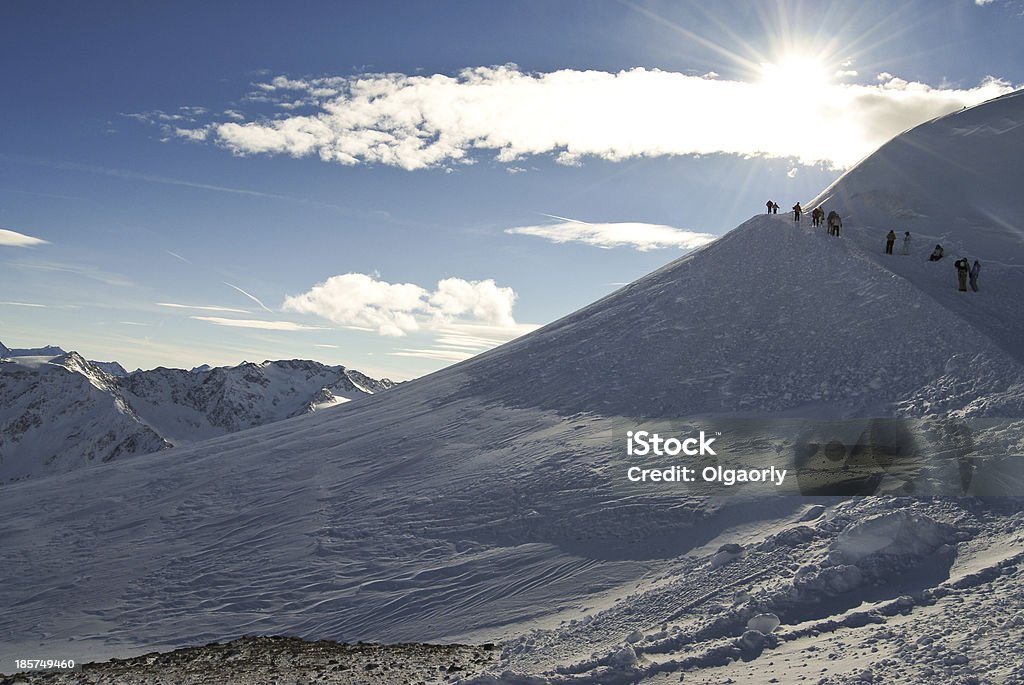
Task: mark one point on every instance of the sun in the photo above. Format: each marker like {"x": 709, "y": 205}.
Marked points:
{"x": 795, "y": 71}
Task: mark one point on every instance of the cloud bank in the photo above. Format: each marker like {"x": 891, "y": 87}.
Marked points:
{"x": 15, "y": 239}
{"x": 416, "y": 122}
{"x": 396, "y": 309}
{"x": 640, "y": 236}
{"x": 464, "y": 317}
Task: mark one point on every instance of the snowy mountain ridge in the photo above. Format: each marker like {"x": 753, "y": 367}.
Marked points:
{"x": 61, "y": 413}
{"x": 148, "y": 410}
{"x": 194, "y": 405}
{"x": 487, "y": 501}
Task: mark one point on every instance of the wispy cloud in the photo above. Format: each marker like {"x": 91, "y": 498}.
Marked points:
{"x": 456, "y": 342}
{"x": 250, "y": 296}
{"x": 396, "y": 309}
{"x": 166, "y": 180}
{"x": 415, "y": 122}
{"x": 435, "y": 354}
{"x": 205, "y": 308}
{"x": 640, "y": 236}
{"x": 10, "y": 238}
{"x": 259, "y": 324}
{"x": 24, "y": 304}
{"x": 81, "y": 270}
{"x": 177, "y": 256}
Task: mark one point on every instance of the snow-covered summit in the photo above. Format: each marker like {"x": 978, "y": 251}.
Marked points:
{"x": 954, "y": 181}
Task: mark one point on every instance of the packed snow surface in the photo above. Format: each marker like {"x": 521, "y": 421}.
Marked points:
{"x": 488, "y": 502}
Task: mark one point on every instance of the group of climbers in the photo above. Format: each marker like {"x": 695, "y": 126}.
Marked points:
{"x": 833, "y": 220}
{"x": 966, "y": 272}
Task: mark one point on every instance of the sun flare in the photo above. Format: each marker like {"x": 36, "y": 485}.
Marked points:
{"x": 795, "y": 70}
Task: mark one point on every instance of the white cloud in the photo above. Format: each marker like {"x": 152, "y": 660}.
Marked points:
{"x": 846, "y": 73}
{"x": 982, "y": 3}
{"x": 480, "y": 300}
{"x": 640, "y": 236}
{"x": 258, "y": 323}
{"x": 414, "y": 121}
{"x": 24, "y": 304}
{"x": 196, "y": 134}
{"x": 361, "y": 300}
{"x": 396, "y": 309}
{"x": 15, "y": 239}
{"x": 792, "y": 172}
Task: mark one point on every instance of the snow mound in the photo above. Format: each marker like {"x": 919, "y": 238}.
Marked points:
{"x": 895, "y": 533}
{"x": 764, "y": 623}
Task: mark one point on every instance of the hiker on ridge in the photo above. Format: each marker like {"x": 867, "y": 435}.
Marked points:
{"x": 937, "y": 254}
{"x": 835, "y": 222}
{"x": 769, "y": 205}
{"x": 816, "y": 216}
{"x": 775, "y": 207}
{"x": 797, "y": 211}
{"x": 975, "y": 270}
{"x": 906, "y": 242}
{"x": 890, "y": 238}
{"x": 962, "y": 271}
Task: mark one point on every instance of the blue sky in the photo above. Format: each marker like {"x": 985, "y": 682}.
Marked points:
{"x": 396, "y": 186}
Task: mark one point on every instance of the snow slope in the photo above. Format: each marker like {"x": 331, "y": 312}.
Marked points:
{"x": 488, "y": 501}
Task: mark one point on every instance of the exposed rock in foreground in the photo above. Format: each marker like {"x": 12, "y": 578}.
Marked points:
{"x": 281, "y": 660}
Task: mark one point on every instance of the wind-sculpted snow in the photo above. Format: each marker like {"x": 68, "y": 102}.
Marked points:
{"x": 489, "y": 501}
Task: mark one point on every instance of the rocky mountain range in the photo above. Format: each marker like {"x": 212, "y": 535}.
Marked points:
{"x": 60, "y": 411}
